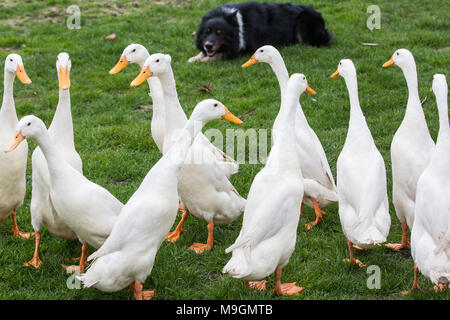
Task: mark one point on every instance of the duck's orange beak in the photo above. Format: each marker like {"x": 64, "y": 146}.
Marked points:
{"x": 335, "y": 74}
{"x": 123, "y": 62}
{"x": 309, "y": 90}
{"x": 144, "y": 75}
{"x": 250, "y": 62}
{"x": 18, "y": 138}
{"x": 22, "y": 75}
{"x": 64, "y": 79}
{"x": 231, "y": 117}
{"x": 389, "y": 63}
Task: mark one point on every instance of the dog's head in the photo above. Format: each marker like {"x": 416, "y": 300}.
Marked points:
{"x": 217, "y": 34}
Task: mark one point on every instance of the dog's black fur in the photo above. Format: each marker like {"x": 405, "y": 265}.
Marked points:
{"x": 263, "y": 24}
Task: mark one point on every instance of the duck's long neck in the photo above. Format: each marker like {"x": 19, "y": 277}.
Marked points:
{"x": 357, "y": 119}
{"x": 157, "y": 95}
{"x": 155, "y": 92}
{"x": 177, "y": 153}
{"x": 175, "y": 116}
{"x": 444, "y": 129}
{"x": 54, "y": 161}
{"x": 283, "y": 156}
{"x": 414, "y": 106}
{"x": 279, "y": 68}
{"x": 288, "y": 109}
{"x": 62, "y": 126}
{"x": 141, "y": 62}
{"x": 8, "y": 110}
{"x": 168, "y": 84}
{"x": 281, "y": 72}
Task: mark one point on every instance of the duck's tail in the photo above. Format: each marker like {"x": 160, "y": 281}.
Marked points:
{"x": 371, "y": 237}
{"x": 238, "y": 265}
{"x": 88, "y": 279}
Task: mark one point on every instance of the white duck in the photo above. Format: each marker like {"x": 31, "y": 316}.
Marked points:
{"x": 61, "y": 133}
{"x": 85, "y": 207}
{"x": 204, "y": 188}
{"x": 269, "y": 230}
{"x": 411, "y": 148}
{"x": 136, "y": 53}
{"x": 430, "y": 235}
{"x": 320, "y": 188}
{"x": 361, "y": 177}
{"x": 128, "y": 255}
{"x": 12, "y": 165}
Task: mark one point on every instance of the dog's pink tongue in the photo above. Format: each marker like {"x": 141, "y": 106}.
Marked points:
{"x": 210, "y": 54}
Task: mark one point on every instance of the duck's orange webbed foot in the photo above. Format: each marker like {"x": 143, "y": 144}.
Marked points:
{"x": 148, "y": 294}
{"x": 139, "y": 294}
{"x": 82, "y": 265}
{"x": 319, "y": 216}
{"x": 441, "y": 287}
{"x": 25, "y": 235}
{"x": 397, "y": 246}
{"x": 71, "y": 268}
{"x": 175, "y": 235}
{"x": 285, "y": 289}
{"x": 415, "y": 286}
{"x": 288, "y": 289}
{"x": 404, "y": 244}
{"x": 352, "y": 259}
{"x": 256, "y": 285}
{"x": 355, "y": 262}
{"x": 35, "y": 262}
{"x": 15, "y": 229}
{"x": 199, "y": 247}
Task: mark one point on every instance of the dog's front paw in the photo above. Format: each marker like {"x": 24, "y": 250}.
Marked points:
{"x": 217, "y": 56}
{"x": 198, "y": 57}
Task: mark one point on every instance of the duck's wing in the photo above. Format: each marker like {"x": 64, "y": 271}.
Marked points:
{"x": 313, "y": 159}
{"x": 269, "y": 200}
{"x": 433, "y": 212}
{"x": 127, "y": 230}
{"x": 372, "y": 190}
{"x": 227, "y": 164}
{"x": 323, "y": 160}
{"x": 111, "y": 206}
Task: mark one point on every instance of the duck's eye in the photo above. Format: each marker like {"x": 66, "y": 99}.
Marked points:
{"x": 134, "y": 50}
{"x": 397, "y": 53}
{"x": 29, "y": 124}
{"x": 215, "y": 104}
{"x": 304, "y": 78}
{"x": 10, "y": 60}
{"x": 261, "y": 50}
{"x": 157, "y": 60}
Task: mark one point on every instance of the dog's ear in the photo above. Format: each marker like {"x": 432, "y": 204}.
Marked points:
{"x": 231, "y": 17}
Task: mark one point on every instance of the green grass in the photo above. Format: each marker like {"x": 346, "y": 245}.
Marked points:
{"x": 113, "y": 137}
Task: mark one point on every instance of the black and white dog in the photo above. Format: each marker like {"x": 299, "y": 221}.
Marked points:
{"x": 238, "y": 28}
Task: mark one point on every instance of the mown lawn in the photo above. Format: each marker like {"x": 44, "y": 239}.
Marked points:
{"x": 112, "y": 131}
